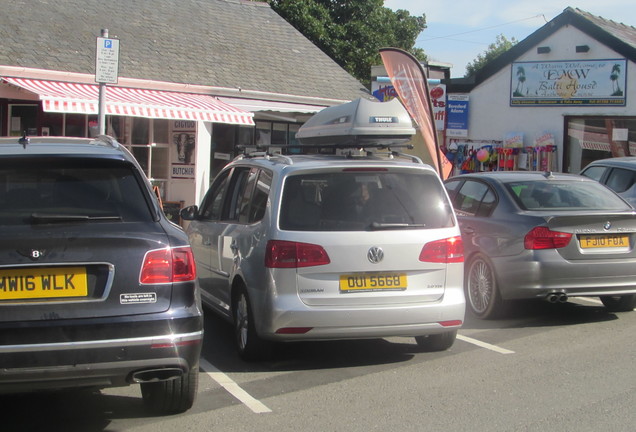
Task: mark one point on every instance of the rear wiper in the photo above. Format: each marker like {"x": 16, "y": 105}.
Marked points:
{"x": 53, "y": 217}
{"x": 376, "y": 226}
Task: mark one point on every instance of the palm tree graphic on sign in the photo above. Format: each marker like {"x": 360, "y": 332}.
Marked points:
{"x": 616, "y": 72}
{"x": 521, "y": 78}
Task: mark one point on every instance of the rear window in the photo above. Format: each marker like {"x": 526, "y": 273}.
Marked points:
{"x": 565, "y": 195}
{"x": 364, "y": 200}
{"x": 70, "y": 190}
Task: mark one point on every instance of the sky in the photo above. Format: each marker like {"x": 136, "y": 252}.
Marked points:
{"x": 459, "y": 30}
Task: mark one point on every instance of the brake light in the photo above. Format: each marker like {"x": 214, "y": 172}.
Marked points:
{"x": 448, "y": 250}
{"x": 544, "y": 238}
{"x": 168, "y": 265}
{"x": 287, "y": 254}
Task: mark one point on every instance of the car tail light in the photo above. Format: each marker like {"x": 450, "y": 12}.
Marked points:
{"x": 448, "y": 250}
{"x": 544, "y": 238}
{"x": 168, "y": 265}
{"x": 287, "y": 254}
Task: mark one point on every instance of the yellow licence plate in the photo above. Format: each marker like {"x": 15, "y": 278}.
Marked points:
{"x": 604, "y": 241}
{"x": 372, "y": 282}
{"x": 42, "y": 283}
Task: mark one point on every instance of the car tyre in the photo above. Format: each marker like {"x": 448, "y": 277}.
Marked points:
{"x": 173, "y": 396}
{"x": 482, "y": 293}
{"x": 250, "y": 346}
{"x": 624, "y": 303}
{"x": 436, "y": 342}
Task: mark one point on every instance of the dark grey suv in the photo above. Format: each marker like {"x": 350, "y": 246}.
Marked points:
{"x": 97, "y": 288}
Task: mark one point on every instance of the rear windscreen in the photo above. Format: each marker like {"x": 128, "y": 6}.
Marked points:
{"x": 360, "y": 200}
{"x": 69, "y": 190}
{"x": 565, "y": 195}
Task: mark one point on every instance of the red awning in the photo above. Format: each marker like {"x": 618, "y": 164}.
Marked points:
{"x": 68, "y": 97}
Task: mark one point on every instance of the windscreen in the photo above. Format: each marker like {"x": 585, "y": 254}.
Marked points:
{"x": 565, "y": 195}
{"x": 359, "y": 200}
{"x": 70, "y": 190}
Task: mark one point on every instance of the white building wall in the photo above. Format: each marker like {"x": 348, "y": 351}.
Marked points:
{"x": 491, "y": 115}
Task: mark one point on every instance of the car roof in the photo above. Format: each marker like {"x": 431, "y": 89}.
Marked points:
{"x": 624, "y": 161}
{"x": 103, "y": 146}
{"x": 515, "y": 176}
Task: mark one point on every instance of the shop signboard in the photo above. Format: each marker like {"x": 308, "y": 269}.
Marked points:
{"x": 457, "y": 115}
{"x": 572, "y": 83}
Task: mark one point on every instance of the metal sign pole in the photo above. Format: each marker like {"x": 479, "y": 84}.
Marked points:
{"x": 101, "y": 116}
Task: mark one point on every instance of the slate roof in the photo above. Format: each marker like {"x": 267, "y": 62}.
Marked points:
{"x": 620, "y": 37}
{"x": 220, "y": 43}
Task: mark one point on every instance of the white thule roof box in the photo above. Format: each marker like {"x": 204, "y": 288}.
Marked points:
{"x": 359, "y": 123}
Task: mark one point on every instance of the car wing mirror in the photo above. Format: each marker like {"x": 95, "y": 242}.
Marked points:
{"x": 189, "y": 213}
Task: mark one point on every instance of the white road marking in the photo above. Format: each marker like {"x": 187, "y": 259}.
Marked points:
{"x": 233, "y": 388}
{"x": 479, "y": 343}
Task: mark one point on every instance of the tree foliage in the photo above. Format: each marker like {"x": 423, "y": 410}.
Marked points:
{"x": 501, "y": 45}
{"x": 351, "y": 32}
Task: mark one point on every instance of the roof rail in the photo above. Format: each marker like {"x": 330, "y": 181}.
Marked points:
{"x": 105, "y": 140}
{"x": 247, "y": 154}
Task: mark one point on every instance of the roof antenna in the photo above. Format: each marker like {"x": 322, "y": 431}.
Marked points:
{"x": 24, "y": 141}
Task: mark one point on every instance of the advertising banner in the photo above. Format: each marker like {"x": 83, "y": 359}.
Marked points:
{"x": 576, "y": 82}
{"x": 457, "y": 115}
{"x": 410, "y": 82}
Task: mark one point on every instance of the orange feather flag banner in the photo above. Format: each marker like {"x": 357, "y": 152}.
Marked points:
{"x": 410, "y": 83}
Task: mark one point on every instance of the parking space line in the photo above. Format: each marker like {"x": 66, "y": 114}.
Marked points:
{"x": 233, "y": 388}
{"x": 479, "y": 343}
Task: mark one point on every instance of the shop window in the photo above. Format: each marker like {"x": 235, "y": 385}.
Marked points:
{"x": 592, "y": 138}
{"x": 279, "y": 133}
{"x": 52, "y": 124}
{"x": 140, "y": 131}
{"x": 75, "y": 125}
{"x": 160, "y": 131}
{"x": 293, "y": 129}
{"x": 23, "y": 119}
{"x": 263, "y": 133}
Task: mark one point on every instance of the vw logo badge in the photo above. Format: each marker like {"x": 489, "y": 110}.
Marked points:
{"x": 375, "y": 254}
{"x": 607, "y": 225}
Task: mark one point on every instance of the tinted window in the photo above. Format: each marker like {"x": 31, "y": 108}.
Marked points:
{"x": 356, "y": 201}
{"x": 213, "y": 202}
{"x": 254, "y": 200}
{"x": 469, "y": 197}
{"x": 66, "y": 190}
{"x": 620, "y": 179}
{"x": 594, "y": 172}
{"x": 565, "y": 195}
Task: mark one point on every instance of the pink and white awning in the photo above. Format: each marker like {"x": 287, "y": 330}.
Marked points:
{"x": 68, "y": 97}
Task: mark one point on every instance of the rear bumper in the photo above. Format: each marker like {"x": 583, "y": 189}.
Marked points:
{"x": 326, "y": 323}
{"x": 98, "y": 362}
{"x": 523, "y": 278}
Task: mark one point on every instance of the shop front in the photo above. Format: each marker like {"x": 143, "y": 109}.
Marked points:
{"x": 170, "y": 133}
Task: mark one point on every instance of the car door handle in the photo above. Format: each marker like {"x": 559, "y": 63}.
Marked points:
{"x": 469, "y": 230}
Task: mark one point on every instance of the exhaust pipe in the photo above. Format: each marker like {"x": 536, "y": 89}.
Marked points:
{"x": 154, "y": 375}
{"x": 557, "y": 297}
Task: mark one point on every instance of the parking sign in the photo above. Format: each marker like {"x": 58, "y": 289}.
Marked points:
{"x": 107, "y": 60}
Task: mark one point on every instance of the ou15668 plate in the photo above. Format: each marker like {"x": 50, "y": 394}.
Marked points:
{"x": 372, "y": 282}
{"x": 43, "y": 283}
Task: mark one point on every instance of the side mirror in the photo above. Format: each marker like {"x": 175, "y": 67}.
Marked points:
{"x": 189, "y": 213}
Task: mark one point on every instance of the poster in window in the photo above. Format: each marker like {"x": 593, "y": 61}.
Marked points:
{"x": 183, "y": 155}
